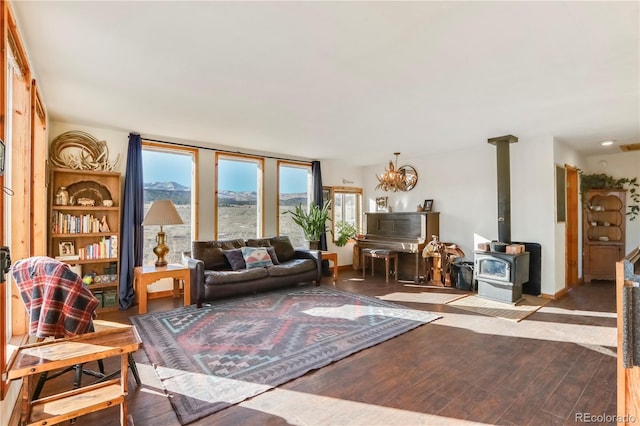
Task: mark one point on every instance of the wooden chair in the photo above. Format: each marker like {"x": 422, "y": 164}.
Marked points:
{"x": 59, "y": 306}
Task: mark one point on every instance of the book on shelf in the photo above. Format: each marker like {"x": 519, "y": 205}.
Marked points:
{"x": 65, "y": 223}
{"x": 68, "y": 257}
{"x": 106, "y": 248}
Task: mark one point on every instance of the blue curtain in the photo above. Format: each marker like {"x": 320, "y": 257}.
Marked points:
{"x": 317, "y": 198}
{"x": 131, "y": 237}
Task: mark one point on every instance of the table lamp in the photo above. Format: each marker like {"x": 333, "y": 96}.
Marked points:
{"x": 162, "y": 212}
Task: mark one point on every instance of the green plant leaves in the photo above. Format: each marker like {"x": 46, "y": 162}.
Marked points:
{"x": 605, "y": 181}
{"x": 346, "y": 231}
{"x": 312, "y": 221}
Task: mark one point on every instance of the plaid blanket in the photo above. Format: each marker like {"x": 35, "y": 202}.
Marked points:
{"x": 58, "y": 303}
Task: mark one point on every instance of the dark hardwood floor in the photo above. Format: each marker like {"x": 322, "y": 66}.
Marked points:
{"x": 463, "y": 368}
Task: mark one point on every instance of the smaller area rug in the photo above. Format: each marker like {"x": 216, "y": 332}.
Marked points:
{"x": 220, "y": 355}
{"x": 516, "y": 312}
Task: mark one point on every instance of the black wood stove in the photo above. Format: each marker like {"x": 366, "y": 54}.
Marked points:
{"x": 501, "y": 276}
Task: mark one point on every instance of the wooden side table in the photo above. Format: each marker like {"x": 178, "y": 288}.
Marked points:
{"x": 60, "y": 353}
{"x": 332, "y": 257}
{"x": 145, "y": 275}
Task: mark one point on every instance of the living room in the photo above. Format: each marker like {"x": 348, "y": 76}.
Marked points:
{"x": 558, "y": 121}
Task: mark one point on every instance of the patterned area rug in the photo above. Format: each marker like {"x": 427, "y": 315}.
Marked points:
{"x": 515, "y": 312}
{"x": 219, "y": 355}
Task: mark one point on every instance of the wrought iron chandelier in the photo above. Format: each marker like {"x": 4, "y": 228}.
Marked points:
{"x": 395, "y": 178}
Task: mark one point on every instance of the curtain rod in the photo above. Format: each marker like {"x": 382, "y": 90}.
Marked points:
{"x": 222, "y": 150}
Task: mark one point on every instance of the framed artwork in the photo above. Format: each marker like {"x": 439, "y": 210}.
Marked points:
{"x": 381, "y": 204}
{"x": 66, "y": 248}
{"x": 428, "y": 205}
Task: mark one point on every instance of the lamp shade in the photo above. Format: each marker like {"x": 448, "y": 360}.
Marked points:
{"x": 162, "y": 212}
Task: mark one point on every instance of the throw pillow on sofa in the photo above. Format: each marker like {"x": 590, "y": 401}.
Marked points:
{"x": 266, "y": 243}
{"x": 235, "y": 259}
{"x": 284, "y": 248}
{"x": 256, "y": 257}
{"x": 273, "y": 255}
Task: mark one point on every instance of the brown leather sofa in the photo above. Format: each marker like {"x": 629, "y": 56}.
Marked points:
{"x": 213, "y": 276}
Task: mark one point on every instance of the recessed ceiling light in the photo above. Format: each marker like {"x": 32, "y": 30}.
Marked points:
{"x": 606, "y": 143}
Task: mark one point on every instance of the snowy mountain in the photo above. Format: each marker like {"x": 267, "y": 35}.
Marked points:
{"x": 181, "y": 194}
{"x": 166, "y": 186}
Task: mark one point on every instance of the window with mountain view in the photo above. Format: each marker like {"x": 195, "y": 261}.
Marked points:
{"x": 294, "y": 187}
{"x": 238, "y": 196}
{"x": 168, "y": 174}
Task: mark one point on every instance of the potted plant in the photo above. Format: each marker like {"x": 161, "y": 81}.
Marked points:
{"x": 312, "y": 221}
{"x": 346, "y": 232}
{"x": 604, "y": 181}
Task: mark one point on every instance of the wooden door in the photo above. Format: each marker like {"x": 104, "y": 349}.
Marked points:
{"x": 571, "y": 227}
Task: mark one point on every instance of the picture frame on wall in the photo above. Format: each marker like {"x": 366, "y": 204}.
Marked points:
{"x": 428, "y": 205}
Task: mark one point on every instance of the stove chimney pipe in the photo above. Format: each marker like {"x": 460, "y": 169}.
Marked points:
{"x": 504, "y": 185}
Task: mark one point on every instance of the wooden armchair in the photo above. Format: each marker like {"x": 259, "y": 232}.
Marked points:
{"x": 58, "y": 305}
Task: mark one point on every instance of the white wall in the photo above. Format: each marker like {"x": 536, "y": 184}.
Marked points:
{"x": 462, "y": 185}
{"x": 533, "y": 202}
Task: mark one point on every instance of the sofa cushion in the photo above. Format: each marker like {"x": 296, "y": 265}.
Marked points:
{"x": 284, "y": 248}
{"x": 228, "y": 277}
{"x": 273, "y": 255}
{"x": 210, "y": 252}
{"x": 256, "y": 257}
{"x": 231, "y": 244}
{"x": 292, "y": 267}
{"x": 235, "y": 259}
{"x": 258, "y": 242}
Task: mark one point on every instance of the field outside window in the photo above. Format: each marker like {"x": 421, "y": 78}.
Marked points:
{"x": 168, "y": 174}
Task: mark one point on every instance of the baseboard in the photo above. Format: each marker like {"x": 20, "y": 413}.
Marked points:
{"x": 557, "y": 295}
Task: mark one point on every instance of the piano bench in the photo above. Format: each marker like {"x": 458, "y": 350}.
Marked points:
{"x": 387, "y": 255}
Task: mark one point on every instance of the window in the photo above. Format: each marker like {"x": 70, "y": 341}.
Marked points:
{"x": 169, "y": 174}
{"x": 239, "y": 200}
{"x": 294, "y": 187}
{"x": 347, "y": 207}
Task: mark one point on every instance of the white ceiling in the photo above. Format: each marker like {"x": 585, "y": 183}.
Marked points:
{"x": 342, "y": 79}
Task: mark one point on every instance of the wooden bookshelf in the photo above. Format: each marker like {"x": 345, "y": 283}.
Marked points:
{"x": 87, "y": 226}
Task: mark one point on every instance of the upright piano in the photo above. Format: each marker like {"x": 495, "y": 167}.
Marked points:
{"x": 404, "y": 232}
